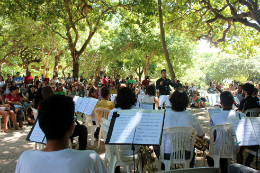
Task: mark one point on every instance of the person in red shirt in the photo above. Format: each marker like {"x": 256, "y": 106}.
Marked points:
{"x": 146, "y": 81}
{"x": 28, "y": 79}
{"x": 104, "y": 81}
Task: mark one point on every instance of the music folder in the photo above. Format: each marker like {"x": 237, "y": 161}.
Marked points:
{"x": 85, "y": 105}
{"x": 136, "y": 126}
{"x": 144, "y": 105}
{"x": 247, "y": 130}
{"x": 36, "y": 134}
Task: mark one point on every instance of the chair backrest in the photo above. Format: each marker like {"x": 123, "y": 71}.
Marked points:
{"x": 144, "y": 105}
{"x": 178, "y": 137}
{"x": 101, "y": 112}
{"x": 226, "y": 132}
{"x": 194, "y": 170}
{"x": 254, "y": 112}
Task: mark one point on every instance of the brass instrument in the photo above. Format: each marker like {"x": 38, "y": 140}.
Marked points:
{"x": 200, "y": 144}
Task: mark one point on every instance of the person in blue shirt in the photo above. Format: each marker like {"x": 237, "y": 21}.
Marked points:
{"x": 18, "y": 79}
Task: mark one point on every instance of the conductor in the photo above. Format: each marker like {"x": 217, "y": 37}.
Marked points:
{"x": 163, "y": 84}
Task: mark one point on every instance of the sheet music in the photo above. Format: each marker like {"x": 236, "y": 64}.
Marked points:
{"x": 146, "y": 105}
{"x": 256, "y": 126}
{"x": 83, "y": 104}
{"x": 91, "y": 106}
{"x": 77, "y": 100}
{"x": 139, "y": 98}
{"x": 214, "y": 111}
{"x": 113, "y": 97}
{"x": 148, "y": 130}
{"x": 37, "y": 134}
{"x": 124, "y": 127}
{"x": 244, "y": 131}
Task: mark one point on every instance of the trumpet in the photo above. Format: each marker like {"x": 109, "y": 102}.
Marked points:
{"x": 200, "y": 144}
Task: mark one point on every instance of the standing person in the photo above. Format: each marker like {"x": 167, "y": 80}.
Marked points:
{"x": 137, "y": 81}
{"x": 69, "y": 80}
{"x": 91, "y": 81}
{"x": 163, "y": 84}
{"x": 193, "y": 88}
{"x": 104, "y": 81}
{"x": 28, "y": 79}
{"x": 146, "y": 81}
{"x": 42, "y": 78}
{"x": 18, "y": 80}
{"x": 113, "y": 89}
{"x": 118, "y": 80}
{"x": 76, "y": 82}
{"x": 130, "y": 80}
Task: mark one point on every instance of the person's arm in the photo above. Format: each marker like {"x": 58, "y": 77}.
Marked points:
{"x": 156, "y": 101}
{"x": 10, "y": 102}
{"x": 172, "y": 84}
{"x": 159, "y": 84}
{"x": 196, "y": 125}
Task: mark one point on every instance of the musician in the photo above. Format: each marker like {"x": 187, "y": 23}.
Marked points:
{"x": 249, "y": 102}
{"x": 224, "y": 117}
{"x": 179, "y": 117}
{"x": 163, "y": 84}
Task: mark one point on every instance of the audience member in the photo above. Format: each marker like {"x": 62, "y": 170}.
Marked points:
{"x": 197, "y": 101}
{"x": 113, "y": 89}
{"x": 56, "y": 119}
{"x": 9, "y": 79}
{"x": 2, "y": 81}
{"x": 104, "y": 81}
{"x": 82, "y": 91}
{"x": 239, "y": 93}
{"x": 18, "y": 80}
{"x": 73, "y": 92}
{"x": 131, "y": 80}
{"x": 118, "y": 80}
{"x": 60, "y": 91}
{"x": 69, "y": 80}
{"x": 142, "y": 90}
{"x": 31, "y": 93}
{"x": 146, "y": 81}
{"x": 28, "y": 79}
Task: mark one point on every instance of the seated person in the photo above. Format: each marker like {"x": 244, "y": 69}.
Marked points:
{"x": 31, "y": 93}
{"x": 142, "y": 90}
{"x": 30, "y": 117}
{"x": 99, "y": 92}
{"x": 104, "y": 103}
{"x": 150, "y": 96}
{"x": 113, "y": 89}
{"x": 179, "y": 117}
{"x": 5, "y": 112}
{"x": 198, "y": 103}
{"x": 56, "y": 119}
{"x": 79, "y": 130}
{"x": 60, "y": 91}
{"x": 81, "y": 91}
{"x": 73, "y": 92}
{"x": 224, "y": 117}
{"x": 239, "y": 93}
{"x": 249, "y": 102}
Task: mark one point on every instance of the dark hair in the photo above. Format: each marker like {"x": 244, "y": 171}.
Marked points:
{"x": 104, "y": 92}
{"x": 105, "y": 76}
{"x": 46, "y": 91}
{"x": 179, "y": 100}
{"x": 117, "y": 75}
{"x": 249, "y": 88}
{"x": 29, "y": 89}
{"x": 125, "y": 98}
{"x": 2, "y": 78}
{"x": 56, "y": 114}
{"x": 163, "y": 70}
{"x": 38, "y": 98}
{"x": 255, "y": 92}
{"x": 226, "y": 99}
{"x": 12, "y": 88}
{"x": 151, "y": 91}
{"x": 29, "y": 110}
{"x": 103, "y": 85}
{"x": 92, "y": 90}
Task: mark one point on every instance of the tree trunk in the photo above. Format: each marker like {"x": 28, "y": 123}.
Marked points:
{"x": 1, "y": 68}
{"x": 56, "y": 65}
{"x": 65, "y": 69}
{"x": 165, "y": 50}
{"x": 139, "y": 73}
{"x": 76, "y": 66}
{"x": 97, "y": 72}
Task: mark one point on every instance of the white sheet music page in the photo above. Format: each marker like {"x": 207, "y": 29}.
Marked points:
{"x": 146, "y": 105}
{"x": 77, "y": 100}
{"x": 149, "y": 128}
{"x": 256, "y": 126}
{"x": 244, "y": 131}
{"x": 124, "y": 127}
{"x": 91, "y": 106}
{"x": 37, "y": 134}
{"x": 113, "y": 97}
{"x": 83, "y": 104}
{"x": 139, "y": 98}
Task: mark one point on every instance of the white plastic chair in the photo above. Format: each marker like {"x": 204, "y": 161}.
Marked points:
{"x": 178, "y": 136}
{"x": 92, "y": 127}
{"x": 109, "y": 150}
{"x": 227, "y": 143}
{"x": 193, "y": 170}
{"x": 254, "y": 112}
{"x": 99, "y": 114}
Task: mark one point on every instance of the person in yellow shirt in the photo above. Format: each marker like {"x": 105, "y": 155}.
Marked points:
{"x": 113, "y": 89}
{"x": 105, "y": 103}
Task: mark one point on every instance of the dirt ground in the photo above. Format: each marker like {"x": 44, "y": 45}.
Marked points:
{"x": 12, "y": 145}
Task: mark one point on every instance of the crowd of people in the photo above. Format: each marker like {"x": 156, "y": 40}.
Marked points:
{"x": 53, "y": 100}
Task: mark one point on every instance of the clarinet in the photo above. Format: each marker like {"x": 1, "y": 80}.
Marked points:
{"x": 219, "y": 90}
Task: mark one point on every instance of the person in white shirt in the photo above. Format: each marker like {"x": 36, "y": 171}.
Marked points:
{"x": 179, "y": 117}
{"x": 56, "y": 119}
{"x": 224, "y": 117}
{"x": 150, "y": 96}
{"x": 193, "y": 88}
{"x": 69, "y": 80}
{"x": 125, "y": 100}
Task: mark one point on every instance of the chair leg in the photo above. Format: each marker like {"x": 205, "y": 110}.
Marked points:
{"x": 167, "y": 165}
{"x": 99, "y": 136}
{"x": 112, "y": 165}
{"x": 128, "y": 169}
{"x": 140, "y": 166}
{"x": 204, "y": 158}
{"x": 216, "y": 162}
{"x": 159, "y": 165}
{"x": 92, "y": 134}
